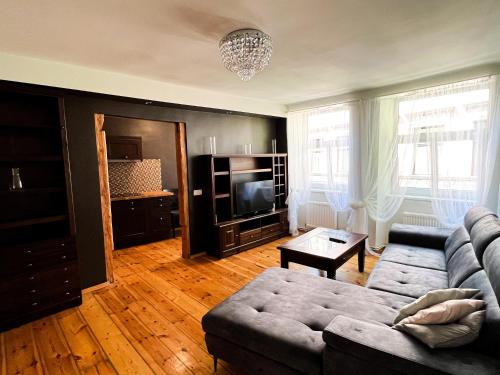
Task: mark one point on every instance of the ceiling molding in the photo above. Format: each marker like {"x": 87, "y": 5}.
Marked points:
{"x": 51, "y": 73}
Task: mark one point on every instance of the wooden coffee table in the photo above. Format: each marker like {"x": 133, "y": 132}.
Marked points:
{"x": 325, "y": 249}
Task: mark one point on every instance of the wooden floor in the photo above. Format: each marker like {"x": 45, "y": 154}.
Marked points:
{"x": 148, "y": 322}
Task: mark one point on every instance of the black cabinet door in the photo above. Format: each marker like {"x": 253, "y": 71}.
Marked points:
{"x": 129, "y": 221}
{"x": 160, "y": 221}
{"x": 124, "y": 148}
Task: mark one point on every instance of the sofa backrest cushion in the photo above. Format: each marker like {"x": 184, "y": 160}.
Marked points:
{"x": 461, "y": 265}
{"x": 474, "y": 215}
{"x": 491, "y": 259}
{"x": 483, "y": 233}
{"x": 458, "y": 238}
{"x": 490, "y": 333}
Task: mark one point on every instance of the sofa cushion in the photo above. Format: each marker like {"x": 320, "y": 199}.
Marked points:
{"x": 491, "y": 260}
{"x": 406, "y": 280}
{"x": 474, "y": 215}
{"x": 418, "y": 235}
{"x": 461, "y": 265}
{"x": 490, "y": 333}
{"x": 483, "y": 233}
{"x": 281, "y": 315}
{"x": 415, "y": 256}
{"x": 458, "y": 238}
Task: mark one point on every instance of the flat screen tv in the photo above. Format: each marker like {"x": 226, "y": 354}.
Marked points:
{"x": 253, "y": 197}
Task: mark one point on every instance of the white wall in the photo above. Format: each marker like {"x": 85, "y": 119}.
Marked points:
{"x": 52, "y": 73}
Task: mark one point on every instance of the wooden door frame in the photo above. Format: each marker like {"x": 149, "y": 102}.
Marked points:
{"x": 183, "y": 195}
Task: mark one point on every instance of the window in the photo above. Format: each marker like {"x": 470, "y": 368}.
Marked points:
{"x": 329, "y": 147}
{"x": 440, "y": 136}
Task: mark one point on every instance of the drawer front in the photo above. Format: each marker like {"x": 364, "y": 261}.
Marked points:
{"x": 160, "y": 202}
{"x": 127, "y": 204}
{"x": 39, "y": 290}
{"x": 270, "y": 230}
{"x": 25, "y": 259}
{"x": 250, "y": 236}
{"x": 43, "y": 281}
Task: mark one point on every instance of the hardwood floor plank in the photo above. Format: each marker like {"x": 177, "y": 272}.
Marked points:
{"x": 55, "y": 355}
{"x": 121, "y": 353}
{"x": 83, "y": 344}
{"x": 141, "y": 336}
{"x": 149, "y": 320}
{"x": 19, "y": 352}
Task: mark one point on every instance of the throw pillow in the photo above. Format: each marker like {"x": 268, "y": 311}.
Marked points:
{"x": 445, "y": 312}
{"x": 463, "y": 332}
{"x": 432, "y": 298}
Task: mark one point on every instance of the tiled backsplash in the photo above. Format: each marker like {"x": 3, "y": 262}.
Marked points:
{"x": 134, "y": 177}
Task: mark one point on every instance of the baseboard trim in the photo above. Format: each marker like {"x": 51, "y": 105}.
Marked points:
{"x": 93, "y": 288}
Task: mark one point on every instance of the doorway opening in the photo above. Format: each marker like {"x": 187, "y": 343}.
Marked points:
{"x": 140, "y": 167}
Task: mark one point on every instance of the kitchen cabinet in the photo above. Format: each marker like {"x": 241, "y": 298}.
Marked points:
{"x": 141, "y": 220}
{"x": 124, "y": 148}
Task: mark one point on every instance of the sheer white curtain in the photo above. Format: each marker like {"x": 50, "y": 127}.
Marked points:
{"x": 456, "y": 147}
{"x": 440, "y": 143}
{"x": 320, "y": 145}
{"x": 378, "y": 192}
{"x": 299, "y": 180}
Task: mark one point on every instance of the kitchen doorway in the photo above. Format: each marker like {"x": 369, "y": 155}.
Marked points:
{"x": 132, "y": 148}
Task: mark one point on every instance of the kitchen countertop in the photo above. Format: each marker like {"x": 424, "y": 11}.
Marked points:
{"x": 146, "y": 194}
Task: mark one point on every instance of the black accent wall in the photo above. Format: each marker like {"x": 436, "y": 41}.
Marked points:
{"x": 230, "y": 129}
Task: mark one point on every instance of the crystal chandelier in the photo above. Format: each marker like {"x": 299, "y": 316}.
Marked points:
{"x": 246, "y": 52}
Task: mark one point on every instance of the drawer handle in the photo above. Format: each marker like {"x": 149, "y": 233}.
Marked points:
{"x": 34, "y": 304}
{"x": 33, "y": 291}
{"x": 27, "y": 251}
{"x": 32, "y": 277}
{"x": 29, "y": 265}
{"x": 67, "y": 293}
{"x": 63, "y": 257}
{"x": 66, "y": 281}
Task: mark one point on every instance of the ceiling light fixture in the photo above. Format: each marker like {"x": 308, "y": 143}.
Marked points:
{"x": 246, "y": 52}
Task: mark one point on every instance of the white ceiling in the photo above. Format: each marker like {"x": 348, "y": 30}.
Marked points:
{"x": 321, "y": 47}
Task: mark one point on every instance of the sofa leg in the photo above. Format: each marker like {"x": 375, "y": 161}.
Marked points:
{"x": 215, "y": 364}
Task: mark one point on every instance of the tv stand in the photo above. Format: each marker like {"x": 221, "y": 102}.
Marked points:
{"x": 244, "y": 233}
{"x": 231, "y": 234}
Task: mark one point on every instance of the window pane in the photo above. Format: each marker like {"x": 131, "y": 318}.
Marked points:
{"x": 447, "y": 125}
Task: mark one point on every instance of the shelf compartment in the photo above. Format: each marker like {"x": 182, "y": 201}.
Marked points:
{"x": 262, "y": 170}
{"x": 40, "y": 220}
{"x": 34, "y": 190}
{"x": 30, "y": 159}
{"x": 29, "y": 126}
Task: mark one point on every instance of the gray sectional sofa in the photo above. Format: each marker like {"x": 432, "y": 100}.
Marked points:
{"x": 286, "y": 322}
